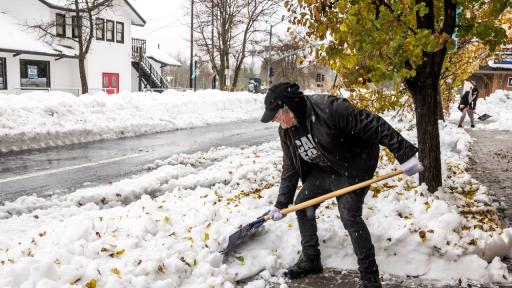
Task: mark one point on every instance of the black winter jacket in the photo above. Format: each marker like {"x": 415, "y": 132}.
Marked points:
{"x": 347, "y": 137}
{"x": 464, "y": 101}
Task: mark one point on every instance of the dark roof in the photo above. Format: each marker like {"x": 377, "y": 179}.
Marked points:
{"x": 20, "y": 52}
{"x": 488, "y": 68}
{"x": 67, "y": 9}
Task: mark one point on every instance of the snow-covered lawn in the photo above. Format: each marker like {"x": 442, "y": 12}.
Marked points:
{"x": 42, "y": 119}
{"x": 165, "y": 228}
{"x": 498, "y": 105}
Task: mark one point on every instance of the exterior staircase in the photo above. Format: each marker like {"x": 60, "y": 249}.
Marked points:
{"x": 150, "y": 77}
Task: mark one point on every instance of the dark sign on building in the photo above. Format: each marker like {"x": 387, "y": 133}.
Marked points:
{"x": 503, "y": 56}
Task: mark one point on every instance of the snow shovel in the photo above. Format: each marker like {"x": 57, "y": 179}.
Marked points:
{"x": 243, "y": 233}
{"x": 483, "y": 117}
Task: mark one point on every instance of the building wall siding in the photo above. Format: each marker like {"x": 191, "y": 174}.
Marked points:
{"x": 500, "y": 81}
{"x": 63, "y": 72}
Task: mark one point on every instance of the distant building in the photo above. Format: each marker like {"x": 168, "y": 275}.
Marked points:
{"x": 115, "y": 62}
{"x": 497, "y": 74}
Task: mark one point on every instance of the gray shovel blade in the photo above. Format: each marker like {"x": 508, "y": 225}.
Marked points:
{"x": 484, "y": 117}
{"x": 242, "y": 234}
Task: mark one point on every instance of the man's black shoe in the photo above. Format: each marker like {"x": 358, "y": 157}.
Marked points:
{"x": 304, "y": 267}
{"x": 460, "y": 126}
{"x": 369, "y": 281}
{"x": 366, "y": 284}
{"x": 472, "y": 126}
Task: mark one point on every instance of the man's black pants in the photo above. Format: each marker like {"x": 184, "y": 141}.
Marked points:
{"x": 321, "y": 181}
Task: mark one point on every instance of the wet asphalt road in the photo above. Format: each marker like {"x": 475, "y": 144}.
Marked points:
{"x": 64, "y": 169}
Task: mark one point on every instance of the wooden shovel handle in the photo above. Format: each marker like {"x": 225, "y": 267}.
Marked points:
{"x": 336, "y": 193}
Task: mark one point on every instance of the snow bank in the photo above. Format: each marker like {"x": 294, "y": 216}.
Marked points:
{"x": 41, "y": 119}
{"x": 498, "y": 105}
{"x": 165, "y": 228}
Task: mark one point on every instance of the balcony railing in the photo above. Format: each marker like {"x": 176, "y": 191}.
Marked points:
{"x": 138, "y": 49}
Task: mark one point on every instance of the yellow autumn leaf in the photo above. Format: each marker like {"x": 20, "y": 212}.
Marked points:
{"x": 116, "y": 272}
{"x": 189, "y": 239}
{"x": 427, "y": 205}
{"x": 290, "y": 225}
{"x": 206, "y": 237}
{"x": 91, "y": 284}
{"x": 167, "y": 219}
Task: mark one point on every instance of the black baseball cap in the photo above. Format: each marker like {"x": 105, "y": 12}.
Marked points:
{"x": 277, "y": 97}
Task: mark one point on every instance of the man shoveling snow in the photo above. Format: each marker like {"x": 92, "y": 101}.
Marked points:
{"x": 330, "y": 144}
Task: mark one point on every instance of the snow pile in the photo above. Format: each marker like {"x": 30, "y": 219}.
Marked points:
{"x": 498, "y": 105}
{"x": 41, "y": 119}
{"x": 165, "y": 228}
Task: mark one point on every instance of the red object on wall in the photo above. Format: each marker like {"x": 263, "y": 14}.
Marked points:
{"x": 110, "y": 83}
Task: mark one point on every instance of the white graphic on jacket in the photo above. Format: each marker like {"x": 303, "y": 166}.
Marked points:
{"x": 308, "y": 150}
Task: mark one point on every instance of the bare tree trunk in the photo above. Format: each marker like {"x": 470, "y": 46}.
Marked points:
{"x": 424, "y": 88}
{"x": 424, "y": 93}
{"x": 83, "y": 75}
{"x": 81, "y": 55}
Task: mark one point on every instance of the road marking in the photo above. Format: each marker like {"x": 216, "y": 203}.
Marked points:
{"x": 68, "y": 168}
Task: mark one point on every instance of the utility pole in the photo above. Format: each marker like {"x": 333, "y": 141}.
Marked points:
{"x": 195, "y": 75}
{"x": 191, "y": 42}
{"x": 214, "y": 79}
{"x": 269, "y": 78}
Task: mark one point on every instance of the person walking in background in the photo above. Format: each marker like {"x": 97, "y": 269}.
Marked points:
{"x": 467, "y": 105}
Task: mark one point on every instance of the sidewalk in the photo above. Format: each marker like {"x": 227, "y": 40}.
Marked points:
{"x": 491, "y": 164}
{"x": 348, "y": 279}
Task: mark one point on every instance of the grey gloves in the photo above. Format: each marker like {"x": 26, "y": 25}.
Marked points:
{"x": 411, "y": 166}
{"x": 275, "y": 214}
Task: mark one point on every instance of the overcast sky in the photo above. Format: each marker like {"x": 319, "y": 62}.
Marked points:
{"x": 167, "y": 24}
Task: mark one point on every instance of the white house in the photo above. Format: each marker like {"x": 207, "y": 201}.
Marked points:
{"x": 28, "y": 62}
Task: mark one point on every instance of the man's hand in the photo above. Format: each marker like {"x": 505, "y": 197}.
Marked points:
{"x": 411, "y": 166}
{"x": 275, "y": 214}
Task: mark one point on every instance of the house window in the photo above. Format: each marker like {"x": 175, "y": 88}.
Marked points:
{"x": 34, "y": 74}
{"x": 3, "y": 74}
{"x": 509, "y": 82}
{"x": 75, "y": 26}
{"x": 110, "y": 31}
{"x": 320, "y": 77}
{"x": 119, "y": 32}
{"x": 60, "y": 25}
{"x": 100, "y": 29}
